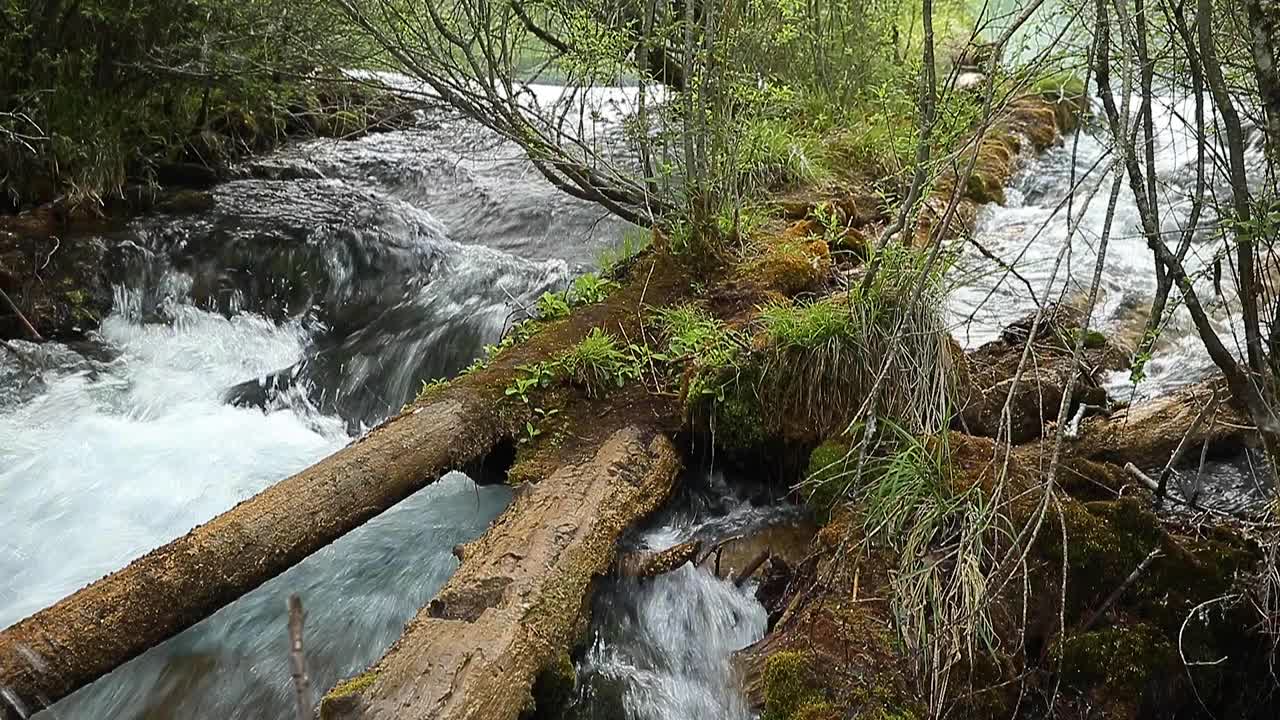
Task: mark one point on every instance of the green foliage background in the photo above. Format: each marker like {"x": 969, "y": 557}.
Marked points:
{"x": 93, "y": 92}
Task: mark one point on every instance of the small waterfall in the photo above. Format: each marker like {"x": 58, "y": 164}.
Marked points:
{"x": 662, "y": 648}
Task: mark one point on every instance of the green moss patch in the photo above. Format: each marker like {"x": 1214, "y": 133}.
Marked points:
{"x": 1119, "y": 660}
{"x": 790, "y": 690}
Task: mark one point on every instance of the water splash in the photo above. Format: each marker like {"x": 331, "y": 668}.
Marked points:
{"x": 662, "y": 648}
{"x": 114, "y": 458}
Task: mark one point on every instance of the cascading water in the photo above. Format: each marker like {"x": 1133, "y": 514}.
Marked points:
{"x": 1028, "y": 231}
{"x": 662, "y": 648}
{"x": 366, "y": 268}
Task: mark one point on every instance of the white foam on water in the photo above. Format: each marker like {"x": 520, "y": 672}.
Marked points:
{"x": 1029, "y": 230}
{"x": 115, "y": 460}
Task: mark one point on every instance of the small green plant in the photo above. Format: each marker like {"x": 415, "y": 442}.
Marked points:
{"x": 597, "y": 363}
{"x": 522, "y": 331}
{"x": 1146, "y": 351}
{"x": 590, "y": 288}
{"x": 479, "y": 363}
{"x": 531, "y": 432}
{"x": 538, "y": 375}
{"x": 772, "y": 152}
{"x": 429, "y": 386}
{"x": 533, "y": 428}
{"x": 552, "y": 306}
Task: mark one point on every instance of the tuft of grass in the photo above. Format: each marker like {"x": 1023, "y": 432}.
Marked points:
{"x": 1060, "y": 84}
{"x": 943, "y": 533}
{"x": 741, "y": 220}
{"x": 598, "y": 363}
{"x": 690, "y": 334}
{"x": 824, "y": 359}
{"x": 586, "y": 289}
{"x": 634, "y": 240}
{"x": 772, "y": 153}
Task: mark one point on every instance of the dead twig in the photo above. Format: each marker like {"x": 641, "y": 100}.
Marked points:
{"x": 1163, "y": 484}
{"x": 22, "y": 319}
{"x": 1115, "y": 594}
{"x": 301, "y": 682}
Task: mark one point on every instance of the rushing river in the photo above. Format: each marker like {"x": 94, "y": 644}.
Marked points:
{"x": 1030, "y": 229}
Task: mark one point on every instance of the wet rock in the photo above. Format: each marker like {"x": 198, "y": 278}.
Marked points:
{"x": 281, "y": 169}
{"x": 262, "y": 392}
{"x": 61, "y": 285}
{"x": 772, "y": 591}
{"x": 787, "y": 543}
{"x": 185, "y": 202}
{"x": 186, "y": 175}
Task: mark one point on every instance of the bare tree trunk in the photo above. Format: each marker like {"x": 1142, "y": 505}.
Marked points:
{"x": 1247, "y": 280}
{"x": 1264, "y": 17}
{"x": 928, "y": 111}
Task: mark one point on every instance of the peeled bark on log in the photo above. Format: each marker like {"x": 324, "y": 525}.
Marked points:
{"x": 86, "y": 635}
{"x": 510, "y": 610}
{"x": 1148, "y": 433}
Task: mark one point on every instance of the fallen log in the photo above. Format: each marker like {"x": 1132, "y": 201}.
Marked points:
{"x": 86, "y": 635}
{"x": 511, "y": 608}
{"x": 1148, "y": 434}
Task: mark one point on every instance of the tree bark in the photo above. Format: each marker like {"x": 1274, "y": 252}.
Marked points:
{"x": 511, "y": 609}
{"x": 88, "y": 634}
{"x": 1264, "y": 19}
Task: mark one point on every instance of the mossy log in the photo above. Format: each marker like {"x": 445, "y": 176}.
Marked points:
{"x": 86, "y": 635}
{"x": 511, "y": 608}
